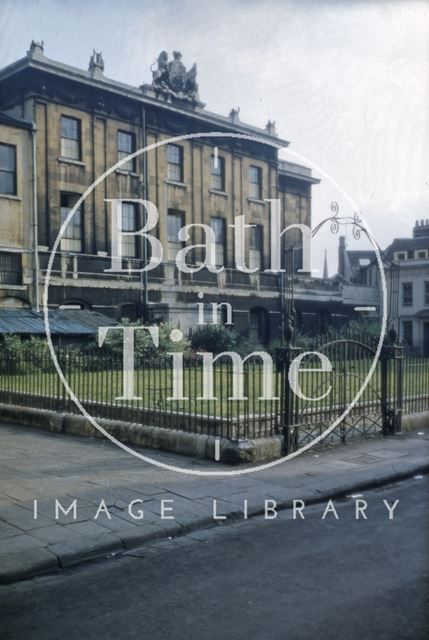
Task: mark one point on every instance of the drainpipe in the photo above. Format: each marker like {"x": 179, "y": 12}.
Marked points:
{"x": 35, "y": 222}
{"x": 144, "y": 280}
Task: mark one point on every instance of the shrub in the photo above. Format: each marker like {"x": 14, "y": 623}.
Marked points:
{"x": 217, "y": 338}
{"x": 145, "y": 351}
{"x": 214, "y": 338}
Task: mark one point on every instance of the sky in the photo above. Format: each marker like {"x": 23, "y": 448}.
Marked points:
{"x": 347, "y": 83}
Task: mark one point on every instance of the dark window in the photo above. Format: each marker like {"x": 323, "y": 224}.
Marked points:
{"x": 10, "y": 268}
{"x": 129, "y": 311}
{"x": 219, "y": 228}
{"x": 407, "y": 294}
{"x": 255, "y": 180}
{"x": 258, "y": 325}
{"x": 174, "y": 223}
{"x": 426, "y": 294}
{"x": 71, "y": 240}
{"x": 255, "y": 246}
{"x": 129, "y": 223}
{"x": 407, "y": 332}
{"x": 70, "y": 138}
{"x": 8, "y": 169}
{"x": 218, "y": 173}
{"x": 175, "y": 162}
{"x": 126, "y": 145}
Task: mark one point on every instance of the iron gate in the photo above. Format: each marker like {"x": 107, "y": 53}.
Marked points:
{"x": 329, "y": 395}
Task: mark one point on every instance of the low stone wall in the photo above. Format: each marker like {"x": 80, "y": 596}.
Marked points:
{"x": 199, "y": 445}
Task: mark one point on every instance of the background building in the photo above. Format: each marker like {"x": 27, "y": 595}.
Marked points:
{"x": 406, "y": 267}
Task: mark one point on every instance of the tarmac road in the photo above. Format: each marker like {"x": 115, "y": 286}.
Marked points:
{"x": 257, "y": 579}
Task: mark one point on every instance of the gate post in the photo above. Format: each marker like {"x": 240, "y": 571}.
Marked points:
{"x": 285, "y": 355}
{"x": 399, "y": 360}
{"x": 391, "y": 363}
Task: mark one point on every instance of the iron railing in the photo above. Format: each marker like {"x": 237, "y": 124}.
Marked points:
{"x": 97, "y": 382}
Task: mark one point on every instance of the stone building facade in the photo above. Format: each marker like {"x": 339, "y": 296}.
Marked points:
{"x": 84, "y": 124}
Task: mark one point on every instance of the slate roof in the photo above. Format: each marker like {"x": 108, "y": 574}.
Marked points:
{"x": 62, "y": 322}
{"x": 355, "y": 257}
{"x": 6, "y": 118}
{"x": 407, "y": 244}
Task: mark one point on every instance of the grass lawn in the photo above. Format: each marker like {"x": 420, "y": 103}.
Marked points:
{"x": 154, "y": 386}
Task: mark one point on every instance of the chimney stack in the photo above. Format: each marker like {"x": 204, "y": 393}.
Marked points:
{"x": 421, "y": 229}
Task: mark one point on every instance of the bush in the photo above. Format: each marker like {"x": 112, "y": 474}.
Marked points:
{"x": 214, "y": 338}
{"x": 145, "y": 351}
{"x": 24, "y": 355}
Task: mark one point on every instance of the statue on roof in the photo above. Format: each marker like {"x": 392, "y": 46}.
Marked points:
{"x": 96, "y": 62}
{"x": 36, "y": 48}
{"x": 172, "y": 81}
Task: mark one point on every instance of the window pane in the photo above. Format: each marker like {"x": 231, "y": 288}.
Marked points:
{"x": 219, "y": 254}
{"x": 71, "y": 241}
{"x": 255, "y": 238}
{"x": 7, "y": 157}
{"x": 70, "y": 148}
{"x": 255, "y": 259}
{"x": 129, "y": 223}
{"x": 218, "y": 226}
{"x": 407, "y": 332}
{"x": 173, "y": 153}
{"x": 7, "y": 183}
{"x": 128, "y": 165}
{"x": 255, "y": 180}
{"x": 254, "y": 326}
{"x": 7, "y": 169}
{"x": 218, "y": 173}
{"x": 125, "y": 147}
{"x": 174, "y": 173}
{"x": 69, "y": 128}
{"x": 175, "y": 163}
{"x": 407, "y": 294}
{"x": 174, "y": 223}
{"x": 70, "y": 138}
{"x": 125, "y": 142}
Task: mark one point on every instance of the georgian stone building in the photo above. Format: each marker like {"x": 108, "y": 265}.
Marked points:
{"x": 84, "y": 124}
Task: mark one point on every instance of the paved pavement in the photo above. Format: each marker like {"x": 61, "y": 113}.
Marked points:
{"x": 43, "y": 466}
{"x": 256, "y": 579}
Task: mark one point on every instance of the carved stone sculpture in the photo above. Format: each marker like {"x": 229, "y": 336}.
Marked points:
{"x": 96, "y": 62}
{"x": 173, "y": 82}
{"x": 36, "y": 48}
